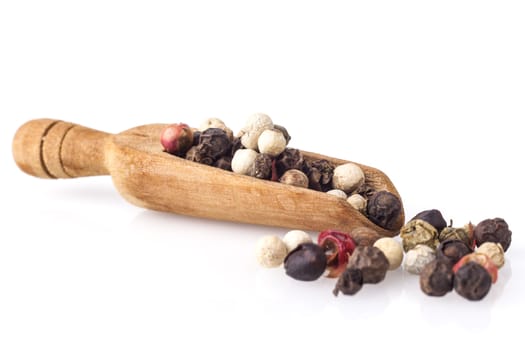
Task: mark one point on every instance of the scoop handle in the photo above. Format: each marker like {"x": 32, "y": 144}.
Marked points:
{"x": 54, "y": 149}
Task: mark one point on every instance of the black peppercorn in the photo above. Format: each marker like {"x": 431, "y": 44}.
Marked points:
{"x": 371, "y": 261}
{"x": 350, "y": 282}
{"x": 262, "y": 167}
{"x": 196, "y": 137}
{"x": 436, "y": 278}
{"x": 320, "y": 173}
{"x": 452, "y": 250}
{"x": 472, "y": 281}
{"x": 224, "y": 163}
{"x": 236, "y": 145}
{"x": 307, "y": 262}
{"x": 215, "y": 143}
{"x": 383, "y": 209}
{"x": 493, "y": 230}
{"x": 433, "y": 217}
{"x": 290, "y": 158}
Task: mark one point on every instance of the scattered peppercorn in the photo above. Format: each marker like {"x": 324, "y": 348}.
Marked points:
{"x": 215, "y": 143}
{"x": 283, "y": 130}
{"x": 320, "y": 173}
{"x": 417, "y": 232}
{"x": 254, "y": 127}
{"x": 293, "y": 238}
{"x": 307, "y": 262}
{"x": 452, "y": 250}
{"x": 383, "y": 209}
{"x": 177, "y": 139}
{"x": 437, "y": 278}
{"x": 242, "y": 161}
{"x": 472, "y": 281}
{"x": 270, "y": 251}
{"x": 417, "y": 258}
{"x": 364, "y": 236}
{"x": 337, "y": 193}
{"x": 224, "y": 163}
{"x": 372, "y": 263}
{"x": 350, "y": 282}
{"x": 216, "y": 123}
{"x": 290, "y": 158}
{"x": 433, "y": 217}
{"x": 493, "y": 230}
{"x": 338, "y": 247}
{"x": 494, "y": 251}
{"x": 464, "y": 234}
{"x": 357, "y": 202}
{"x": 481, "y": 259}
{"x": 348, "y": 177}
{"x": 392, "y": 250}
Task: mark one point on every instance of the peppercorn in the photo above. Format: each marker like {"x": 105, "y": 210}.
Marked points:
{"x": 350, "y": 282}
{"x": 357, "y": 202}
{"x": 261, "y": 167}
{"x": 338, "y": 247}
{"x": 216, "y": 123}
{"x": 307, "y": 262}
{"x": 480, "y": 259}
{"x": 418, "y": 232}
{"x": 254, "y": 127}
{"x": 392, "y": 250}
{"x": 472, "y": 281}
{"x": 437, "y": 278}
{"x": 294, "y": 177}
{"x": 348, "y": 177}
{"x": 494, "y": 251}
{"x": 236, "y": 145}
{"x": 417, "y": 258}
{"x": 464, "y": 234}
{"x": 433, "y": 217}
{"x": 290, "y": 158}
{"x": 271, "y": 142}
{"x": 493, "y": 230}
{"x": 372, "y": 263}
{"x": 214, "y": 142}
{"x": 242, "y": 161}
{"x": 293, "y": 238}
{"x": 452, "y": 250}
{"x": 283, "y": 130}
{"x": 177, "y": 139}
{"x": 383, "y": 209}
{"x": 196, "y": 137}
{"x": 320, "y": 173}
{"x": 364, "y": 236}
{"x": 270, "y": 251}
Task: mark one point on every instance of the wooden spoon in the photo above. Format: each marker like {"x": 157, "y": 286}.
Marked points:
{"x": 150, "y": 178}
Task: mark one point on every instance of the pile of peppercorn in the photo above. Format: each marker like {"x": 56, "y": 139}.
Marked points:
{"x": 261, "y": 150}
{"x": 442, "y": 255}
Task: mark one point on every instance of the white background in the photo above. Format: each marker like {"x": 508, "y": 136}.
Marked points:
{"x": 432, "y": 93}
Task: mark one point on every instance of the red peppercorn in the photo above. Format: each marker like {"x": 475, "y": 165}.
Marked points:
{"x": 480, "y": 259}
{"x": 338, "y": 246}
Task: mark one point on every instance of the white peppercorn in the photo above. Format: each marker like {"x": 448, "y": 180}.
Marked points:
{"x": 494, "y": 251}
{"x": 348, "y": 177}
{"x": 293, "y": 238}
{"x": 216, "y": 123}
{"x": 392, "y": 250}
{"x": 253, "y": 128}
{"x": 417, "y": 258}
{"x": 338, "y": 193}
{"x": 294, "y": 177}
{"x": 243, "y": 160}
{"x": 358, "y": 202}
{"x": 271, "y": 142}
{"x": 270, "y": 251}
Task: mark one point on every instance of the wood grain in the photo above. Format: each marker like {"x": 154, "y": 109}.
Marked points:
{"x": 150, "y": 178}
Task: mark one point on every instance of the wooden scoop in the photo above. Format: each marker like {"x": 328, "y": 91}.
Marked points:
{"x": 150, "y": 178}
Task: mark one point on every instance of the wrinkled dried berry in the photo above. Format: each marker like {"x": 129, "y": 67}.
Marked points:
{"x": 383, "y": 209}
{"x": 305, "y": 263}
{"x": 493, "y": 230}
{"x": 433, "y": 217}
{"x": 472, "y": 281}
{"x": 350, "y": 282}
{"x": 262, "y": 167}
{"x": 452, "y": 251}
{"x": 224, "y": 163}
{"x": 215, "y": 143}
{"x": 437, "y": 278}
{"x": 320, "y": 173}
{"x": 417, "y": 232}
{"x": 480, "y": 259}
{"x": 372, "y": 263}
{"x": 291, "y": 158}
{"x": 464, "y": 234}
